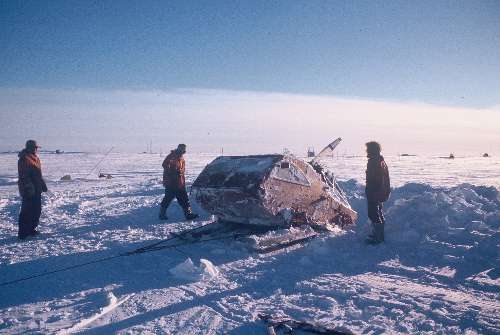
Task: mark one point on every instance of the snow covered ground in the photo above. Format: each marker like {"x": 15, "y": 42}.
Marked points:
{"x": 437, "y": 273}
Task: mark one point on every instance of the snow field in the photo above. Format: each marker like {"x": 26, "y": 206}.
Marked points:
{"x": 437, "y": 273}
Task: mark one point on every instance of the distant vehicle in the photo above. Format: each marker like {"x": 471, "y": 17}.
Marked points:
{"x": 59, "y": 151}
{"x": 486, "y": 155}
{"x": 273, "y": 190}
{"x": 451, "y": 156}
{"x": 407, "y": 155}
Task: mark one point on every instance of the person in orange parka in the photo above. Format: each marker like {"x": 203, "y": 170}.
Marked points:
{"x": 174, "y": 180}
{"x": 378, "y": 189}
{"x": 31, "y": 185}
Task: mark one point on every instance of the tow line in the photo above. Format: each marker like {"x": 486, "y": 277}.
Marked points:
{"x": 148, "y": 248}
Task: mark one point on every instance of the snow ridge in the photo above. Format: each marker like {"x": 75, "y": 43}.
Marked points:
{"x": 113, "y": 303}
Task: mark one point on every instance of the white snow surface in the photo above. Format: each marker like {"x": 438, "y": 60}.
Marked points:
{"x": 437, "y": 273}
{"x": 188, "y": 270}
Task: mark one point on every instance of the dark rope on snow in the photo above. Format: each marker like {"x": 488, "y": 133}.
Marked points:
{"x": 182, "y": 234}
{"x": 59, "y": 270}
{"x": 148, "y": 248}
{"x": 106, "y": 155}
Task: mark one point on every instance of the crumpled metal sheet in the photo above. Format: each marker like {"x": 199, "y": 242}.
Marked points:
{"x": 252, "y": 190}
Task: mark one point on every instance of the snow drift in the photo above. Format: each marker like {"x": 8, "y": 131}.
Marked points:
{"x": 187, "y": 270}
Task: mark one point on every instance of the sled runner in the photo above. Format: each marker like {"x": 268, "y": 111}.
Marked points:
{"x": 277, "y": 325}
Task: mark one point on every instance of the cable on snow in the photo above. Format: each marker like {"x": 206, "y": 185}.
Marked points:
{"x": 148, "y": 248}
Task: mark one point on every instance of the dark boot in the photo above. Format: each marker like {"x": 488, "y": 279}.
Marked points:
{"x": 377, "y": 236}
{"x": 188, "y": 213}
{"x": 163, "y": 213}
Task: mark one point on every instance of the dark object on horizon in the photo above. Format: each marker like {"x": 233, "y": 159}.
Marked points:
{"x": 486, "y": 155}
{"x": 408, "y": 155}
{"x": 59, "y": 151}
{"x": 378, "y": 190}
{"x": 66, "y": 177}
{"x": 149, "y": 149}
{"x": 272, "y": 190}
{"x": 451, "y": 156}
{"x": 31, "y": 186}
{"x": 105, "y": 175}
{"x": 310, "y": 152}
{"x": 174, "y": 180}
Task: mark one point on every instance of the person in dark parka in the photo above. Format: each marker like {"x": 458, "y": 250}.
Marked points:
{"x": 174, "y": 180}
{"x": 378, "y": 189}
{"x": 31, "y": 185}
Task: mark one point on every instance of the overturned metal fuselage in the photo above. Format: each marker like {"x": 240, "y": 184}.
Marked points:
{"x": 271, "y": 190}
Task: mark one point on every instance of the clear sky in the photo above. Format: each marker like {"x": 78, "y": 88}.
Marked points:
{"x": 442, "y": 53}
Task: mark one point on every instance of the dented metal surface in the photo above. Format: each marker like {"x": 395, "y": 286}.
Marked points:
{"x": 276, "y": 190}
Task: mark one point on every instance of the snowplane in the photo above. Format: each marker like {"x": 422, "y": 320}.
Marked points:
{"x": 276, "y": 190}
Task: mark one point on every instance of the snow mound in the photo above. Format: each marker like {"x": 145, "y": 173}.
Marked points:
{"x": 463, "y": 213}
{"x": 416, "y": 212}
{"x": 189, "y": 271}
{"x": 461, "y": 222}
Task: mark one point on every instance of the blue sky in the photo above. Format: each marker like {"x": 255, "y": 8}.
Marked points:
{"x": 253, "y": 76}
{"x": 445, "y": 52}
